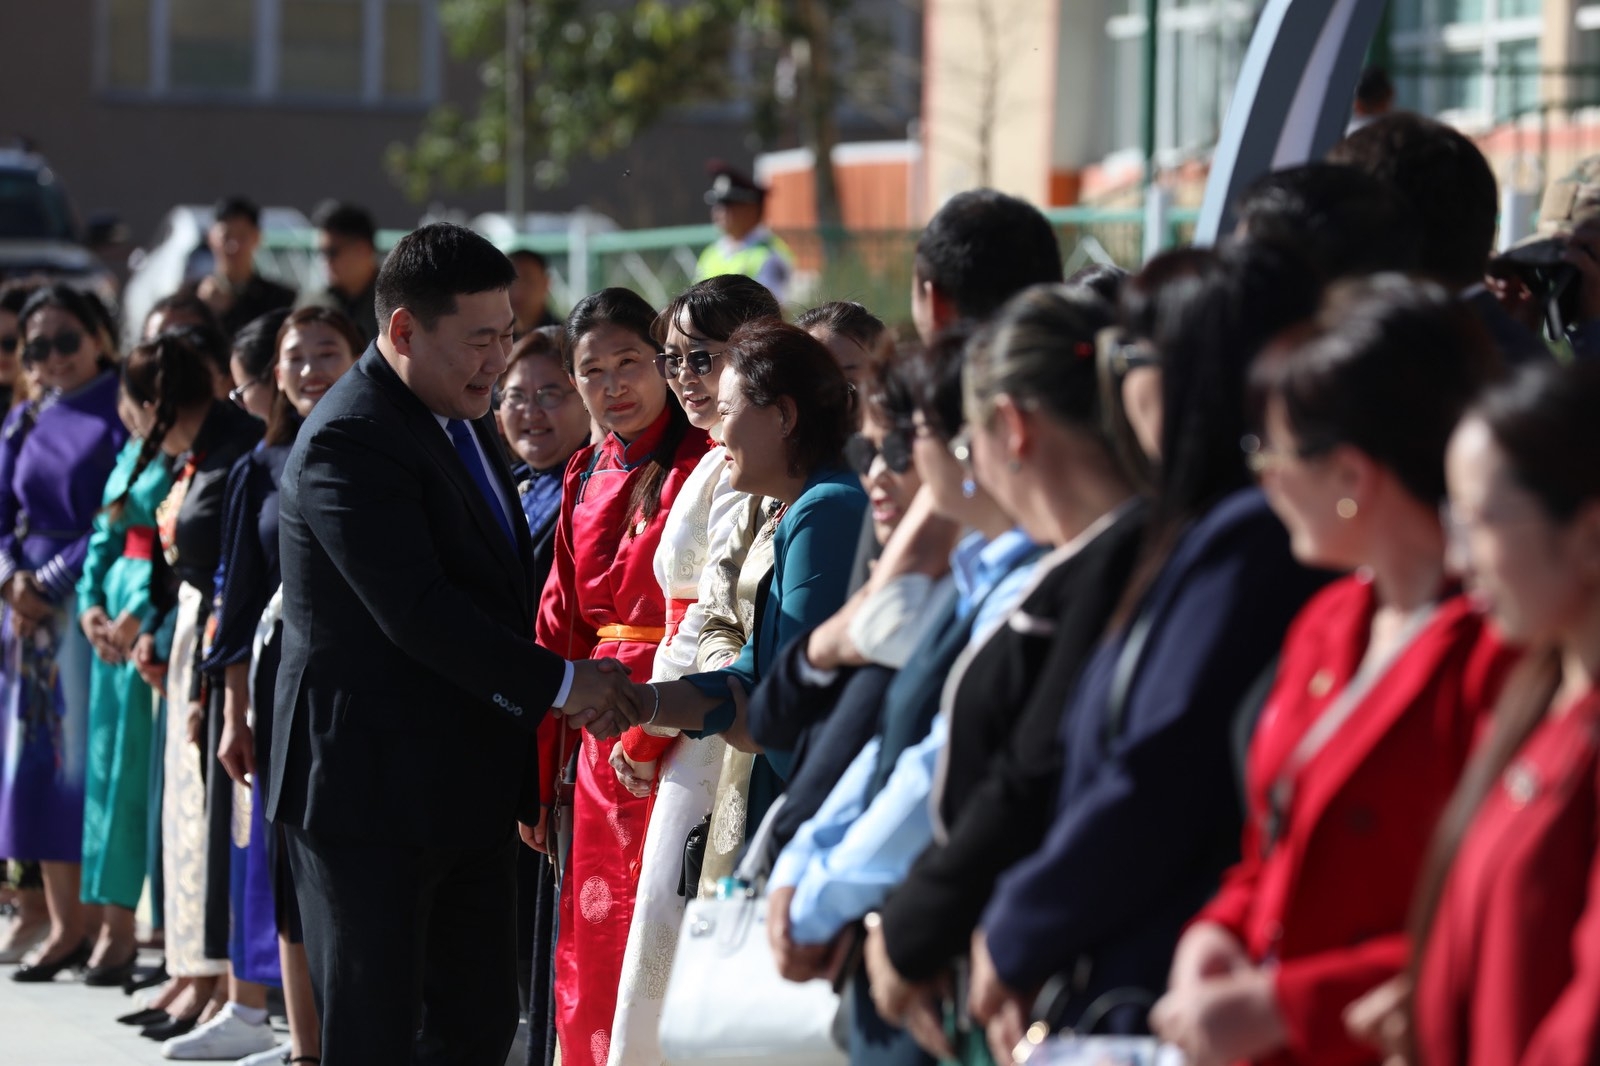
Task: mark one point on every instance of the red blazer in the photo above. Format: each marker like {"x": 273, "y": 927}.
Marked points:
{"x": 1510, "y": 975}
{"x": 1328, "y": 902}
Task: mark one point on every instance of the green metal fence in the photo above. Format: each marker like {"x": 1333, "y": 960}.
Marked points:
{"x": 872, "y": 266}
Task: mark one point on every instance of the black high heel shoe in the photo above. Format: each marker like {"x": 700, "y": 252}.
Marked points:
{"x": 110, "y": 975}
{"x": 41, "y": 972}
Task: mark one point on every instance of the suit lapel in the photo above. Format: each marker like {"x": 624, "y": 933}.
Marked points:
{"x": 436, "y": 443}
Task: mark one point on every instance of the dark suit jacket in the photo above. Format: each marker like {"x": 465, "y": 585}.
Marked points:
{"x": 1146, "y": 820}
{"x": 411, "y": 686}
{"x": 1003, "y": 761}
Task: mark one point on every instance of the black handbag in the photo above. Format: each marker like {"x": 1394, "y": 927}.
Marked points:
{"x": 694, "y": 858}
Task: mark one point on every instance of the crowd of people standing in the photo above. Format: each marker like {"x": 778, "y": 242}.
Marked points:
{"x": 1207, "y": 652}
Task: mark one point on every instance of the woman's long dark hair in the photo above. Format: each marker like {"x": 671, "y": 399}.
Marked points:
{"x": 1388, "y": 366}
{"x": 171, "y": 374}
{"x": 1544, "y": 421}
{"x": 1207, "y": 313}
{"x": 627, "y": 310}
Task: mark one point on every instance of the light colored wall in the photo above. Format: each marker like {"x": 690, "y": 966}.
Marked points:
{"x": 955, "y": 77}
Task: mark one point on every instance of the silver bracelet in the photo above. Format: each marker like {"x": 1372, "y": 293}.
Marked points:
{"x": 654, "y": 714}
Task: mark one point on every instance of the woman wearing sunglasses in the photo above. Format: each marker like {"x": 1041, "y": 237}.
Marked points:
{"x": 693, "y": 332}
{"x": 56, "y": 454}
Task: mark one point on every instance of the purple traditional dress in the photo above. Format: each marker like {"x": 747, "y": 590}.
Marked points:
{"x": 55, "y": 457}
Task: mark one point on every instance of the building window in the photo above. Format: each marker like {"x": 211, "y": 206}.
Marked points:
{"x": 363, "y": 52}
{"x": 1475, "y": 62}
{"x": 1199, "y": 49}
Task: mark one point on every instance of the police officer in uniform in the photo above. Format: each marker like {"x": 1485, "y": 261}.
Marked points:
{"x": 746, "y": 246}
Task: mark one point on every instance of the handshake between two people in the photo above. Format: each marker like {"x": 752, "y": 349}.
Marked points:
{"x": 605, "y": 700}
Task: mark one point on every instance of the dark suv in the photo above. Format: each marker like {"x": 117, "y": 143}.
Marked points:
{"x": 38, "y": 231}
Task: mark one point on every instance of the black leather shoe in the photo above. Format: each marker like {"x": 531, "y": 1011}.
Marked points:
{"x": 168, "y": 1029}
{"x": 41, "y": 972}
{"x": 111, "y": 975}
{"x": 142, "y": 1018}
{"x": 142, "y": 979}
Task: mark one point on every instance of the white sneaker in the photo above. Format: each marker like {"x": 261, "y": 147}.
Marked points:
{"x": 227, "y": 1036}
{"x": 278, "y": 1056}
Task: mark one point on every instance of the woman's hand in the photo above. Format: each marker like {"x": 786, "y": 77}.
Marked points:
{"x": 800, "y": 962}
{"x": 1205, "y": 951}
{"x": 94, "y": 622}
{"x": 1226, "y": 1019}
{"x": 151, "y": 669}
{"x": 195, "y": 723}
{"x": 122, "y": 633}
{"x": 236, "y": 750}
{"x": 1382, "y": 1018}
{"x": 96, "y": 625}
{"x": 915, "y": 1007}
{"x": 999, "y": 1008}
{"x": 637, "y": 777}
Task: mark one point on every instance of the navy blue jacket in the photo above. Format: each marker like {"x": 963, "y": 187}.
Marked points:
{"x": 1147, "y": 819}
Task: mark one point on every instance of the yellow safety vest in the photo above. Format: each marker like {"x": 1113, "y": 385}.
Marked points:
{"x": 747, "y": 260}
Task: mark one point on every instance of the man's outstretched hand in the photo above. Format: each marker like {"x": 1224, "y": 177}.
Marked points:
{"x": 602, "y": 699}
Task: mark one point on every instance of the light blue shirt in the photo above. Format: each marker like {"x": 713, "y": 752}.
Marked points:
{"x": 845, "y": 859}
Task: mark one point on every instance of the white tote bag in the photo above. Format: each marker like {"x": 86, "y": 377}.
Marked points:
{"x": 726, "y": 1004}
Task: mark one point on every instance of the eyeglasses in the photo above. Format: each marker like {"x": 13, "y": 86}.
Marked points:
{"x": 1261, "y": 457}
{"x": 861, "y": 452}
{"x": 548, "y": 398}
{"x": 1120, "y": 353}
{"x": 699, "y": 360}
{"x": 67, "y": 342}
{"x": 238, "y": 393}
{"x": 9, "y": 343}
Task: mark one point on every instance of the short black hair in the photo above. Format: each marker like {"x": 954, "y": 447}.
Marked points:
{"x": 433, "y": 265}
{"x": 1445, "y": 184}
{"x": 237, "y": 207}
{"x": 1344, "y": 222}
{"x": 531, "y": 256}
{"x": 1375, "y": 88}
{"x": 933, "y": 378}
{"x": 983, "y": 247}
{"x": 346, "y": 220}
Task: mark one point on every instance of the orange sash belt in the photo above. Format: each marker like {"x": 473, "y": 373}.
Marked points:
{"x": 648, "y": 634}
{"x": 642, "y": 634}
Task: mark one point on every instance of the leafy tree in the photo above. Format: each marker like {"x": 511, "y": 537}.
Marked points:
{"x": 597, "y": 73}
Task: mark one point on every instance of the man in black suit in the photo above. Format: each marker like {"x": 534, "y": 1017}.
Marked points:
{"x": 403, "y": 746}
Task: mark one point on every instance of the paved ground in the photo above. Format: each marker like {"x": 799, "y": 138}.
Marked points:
{"x": 66, "y": 1024}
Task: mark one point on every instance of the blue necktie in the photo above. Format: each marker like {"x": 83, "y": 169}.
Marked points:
{"x": 461, "y": 436}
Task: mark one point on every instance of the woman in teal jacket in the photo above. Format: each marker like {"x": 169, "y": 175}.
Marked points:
{"x": 786, "y": 414}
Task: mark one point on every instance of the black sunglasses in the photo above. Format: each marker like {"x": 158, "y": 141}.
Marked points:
{"x": 860, "y": 451}
{"x": 66, "y": 342}
{"x": 699, "y": 360}
{"x": 10, "y": 343}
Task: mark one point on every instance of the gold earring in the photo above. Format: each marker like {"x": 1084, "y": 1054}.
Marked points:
{"x": 1347, "y": 508}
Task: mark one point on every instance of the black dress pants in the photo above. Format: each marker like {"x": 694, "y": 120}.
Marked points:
{"x": 412, "y": 950}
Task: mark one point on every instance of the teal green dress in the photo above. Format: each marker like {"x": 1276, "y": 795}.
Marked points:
{"x": 116, "y": 812}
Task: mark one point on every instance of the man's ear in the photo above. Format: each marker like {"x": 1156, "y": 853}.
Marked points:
{"x": 403, "y": 328}
{"x": 942, "y": 305}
